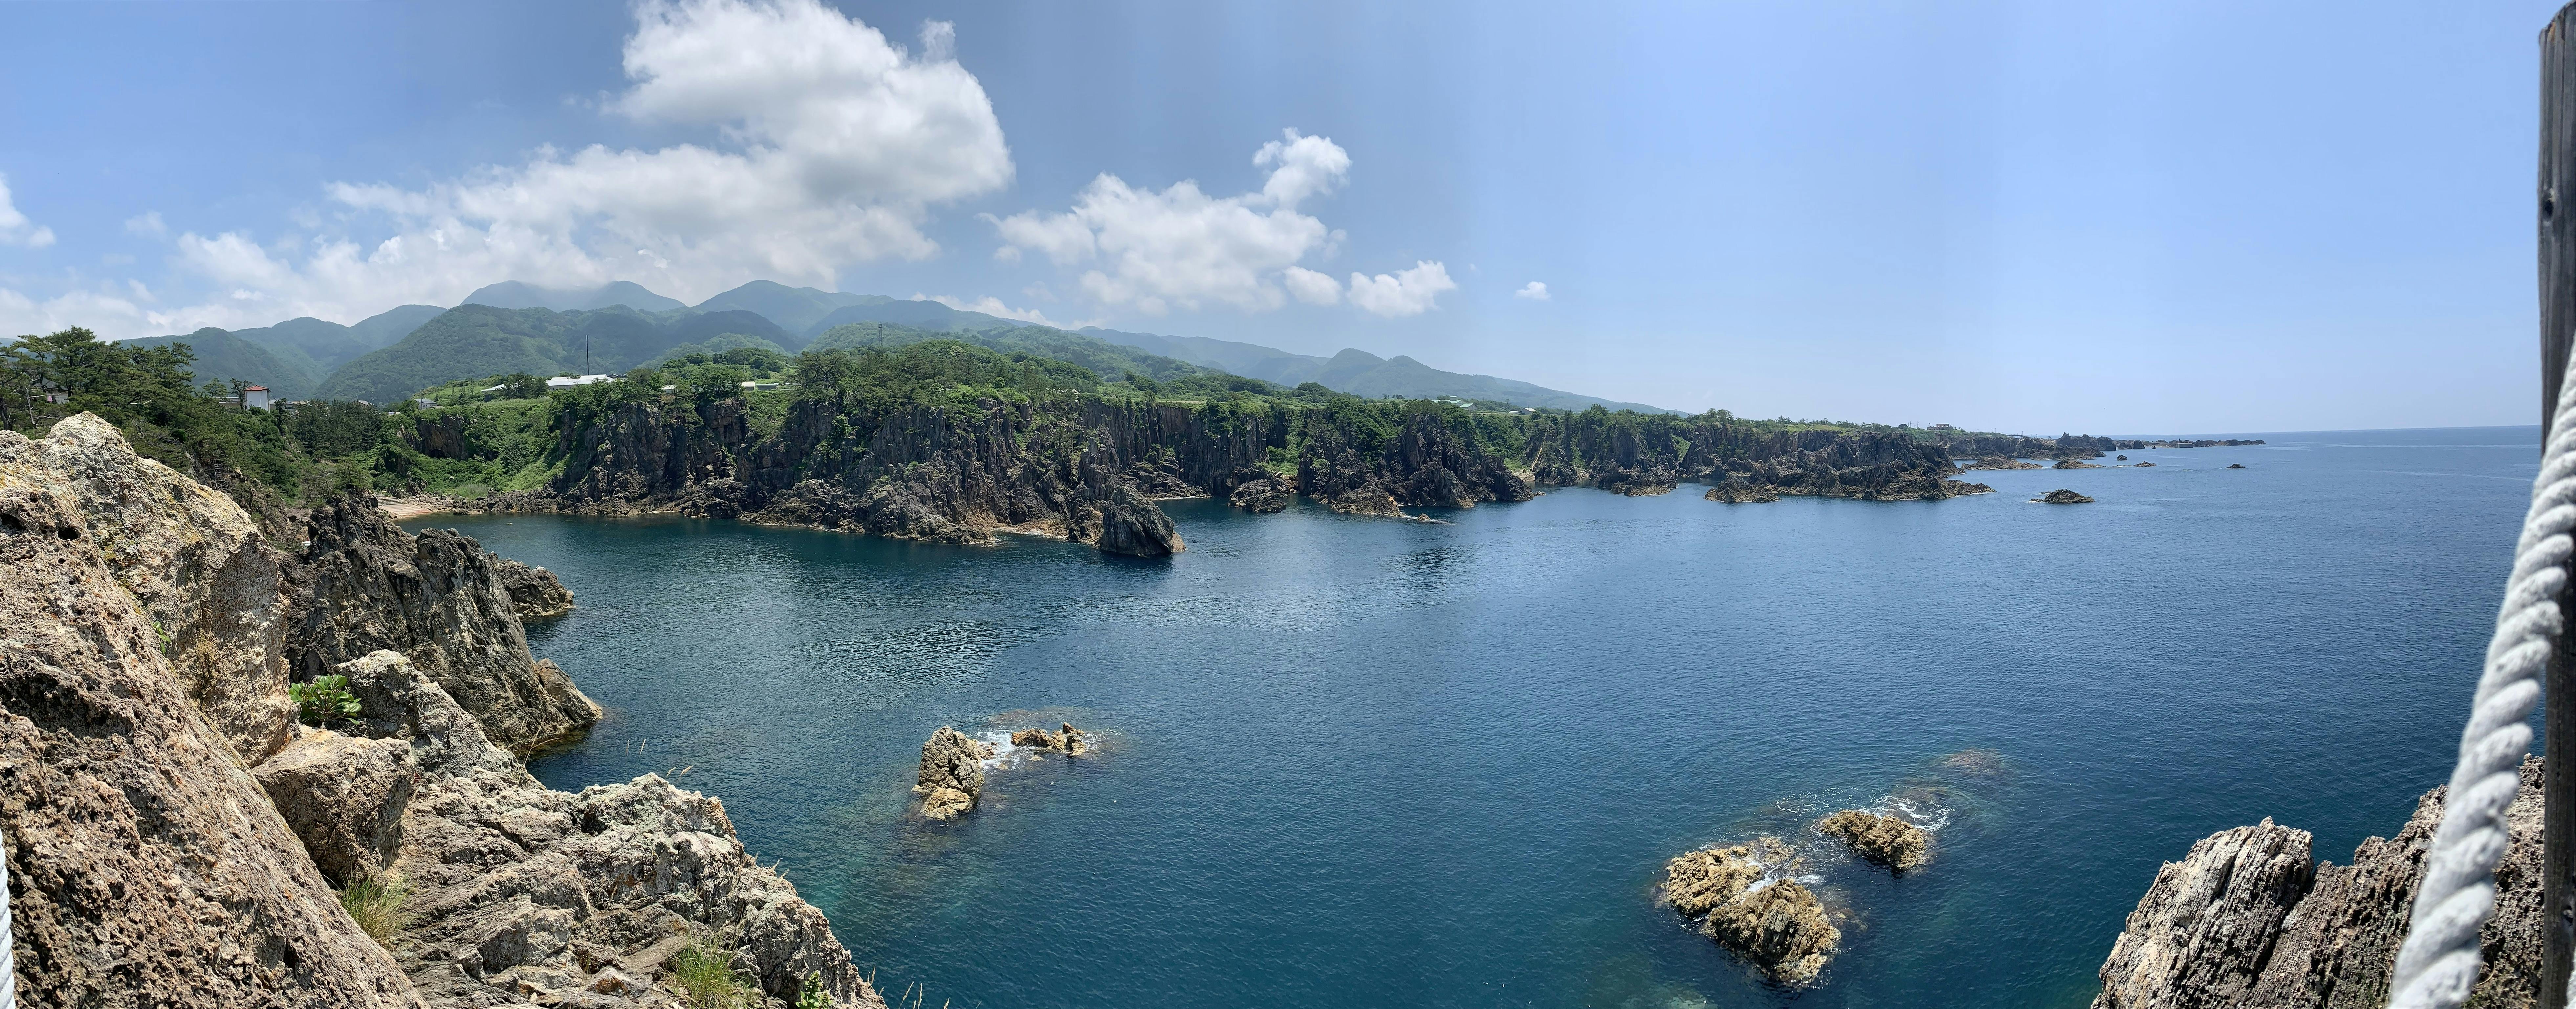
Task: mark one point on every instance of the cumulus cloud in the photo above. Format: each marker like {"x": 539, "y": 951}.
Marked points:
{"x": 832, "y": 144}
{"x": 993, "y": 306}
{"x": 1534, "y": 291}
{"x": 1403, "y": 293}
{"x": 15, "y": 228}
{"x": 1181, "y": 247}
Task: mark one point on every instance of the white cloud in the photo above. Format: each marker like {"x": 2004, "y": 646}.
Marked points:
{"x": 834, "y": 143}
{"x": 15, "y": 228}
{"x": 1534, "y": 291}
{"x": 1181, "y": 247}
{"x": 990, "y": 305}
{"x": 1406, "y": 292}
{"x": 1311, "y": 287}
{"x": 147, "y": 224}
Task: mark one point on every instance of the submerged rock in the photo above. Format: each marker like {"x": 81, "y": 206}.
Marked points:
{"x": 1886, "y": 840}
{"x": 952, "y": 763}
{"x": 2062, "y": 496}
{"x": 2245, "y": 919}
{"x": 534, "y": 592}
{"x": 2000, "y": 462}
{"x": 1069, "y": 741}
{"x": 1775, "y": 924}
{"x": 2235, "y": 465}
{"x": 2144, "y": 465}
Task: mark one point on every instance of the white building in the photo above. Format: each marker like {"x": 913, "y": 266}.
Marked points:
{"x": 568, "y": 381}
{"x": 254, "y": 397}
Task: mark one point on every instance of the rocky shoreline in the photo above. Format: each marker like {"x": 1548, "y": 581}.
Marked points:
{"x": 175, "y": 828}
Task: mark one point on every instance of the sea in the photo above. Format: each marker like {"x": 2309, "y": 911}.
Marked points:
{"x": 1356, "y": 761}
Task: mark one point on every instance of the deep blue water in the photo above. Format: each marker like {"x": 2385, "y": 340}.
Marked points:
{"x": 1369, "y": 762}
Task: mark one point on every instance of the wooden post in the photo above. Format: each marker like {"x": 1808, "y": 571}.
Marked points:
{"x": 2557, "y": 332}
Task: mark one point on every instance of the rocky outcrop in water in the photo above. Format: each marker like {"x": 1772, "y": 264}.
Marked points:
{"x": 1069, "y": 742}
{"x": 2235, "y": 465}
{"x": 2247, "y": 919}
{"x": 2076, "y": 464}
{"x": 952, "y": 773}
{"x": 1737, "y": 490}
{"x": 191, "y": 557}
{"x": 364, "y": 585}
{"x": 535, "y": 593}
{"x": 2144, "y": 465}
{"x": 146, "y": 867}
{"x": 1631, "y": 453}
{"x": 1264, "y": 495}
{"x": 2062, "y": 496}
{"x": 2000, "y": 462}
{"x": 1737, "y": 900}
{"x": 1886, "y": 840}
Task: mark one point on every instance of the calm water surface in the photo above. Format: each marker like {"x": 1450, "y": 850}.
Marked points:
{"x": 1368, "y": 762}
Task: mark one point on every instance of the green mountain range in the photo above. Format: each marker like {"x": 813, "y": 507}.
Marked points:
{"x": 514, "y": 326}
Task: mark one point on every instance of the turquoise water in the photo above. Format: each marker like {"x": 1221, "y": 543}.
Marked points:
{"x": 1370, "y": 762}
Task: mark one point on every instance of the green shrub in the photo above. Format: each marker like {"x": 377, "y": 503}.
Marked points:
{"x": 811, "y": 995}
{"x": 705, "y": 969}
{"x": 376, "y": 903}
{"x": 324, "y": 700}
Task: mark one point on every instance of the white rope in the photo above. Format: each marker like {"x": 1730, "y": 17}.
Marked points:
{"x": 8, "y": 943}
{"x": 2439, "y": 963}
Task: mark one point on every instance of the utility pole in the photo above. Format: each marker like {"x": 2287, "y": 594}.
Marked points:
{"x": 2557, "y": 333}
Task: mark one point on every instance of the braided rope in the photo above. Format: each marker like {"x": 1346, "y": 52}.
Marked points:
{"x": 2439, "y": 963}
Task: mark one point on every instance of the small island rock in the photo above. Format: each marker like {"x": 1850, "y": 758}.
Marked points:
{"x": 1886, "y": 840}
{"x": 2235, "y": 465}
{"x": 2062, "y": 496}
{"x": 2000, "y": 462}
{"x": 1779, "y": 927}
{"x": 952, "y": 773}
{"x": 1262, "y": 496}
{"x": 1068, "y": 742}
{"x": 535, "y": 593}
{"x": 2071, "y": 463}
{"x": 1737, "y": 490}
{"x": 2144, "y": 465}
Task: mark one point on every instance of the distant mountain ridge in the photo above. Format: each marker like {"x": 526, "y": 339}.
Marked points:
{"x": 375, "y": 358}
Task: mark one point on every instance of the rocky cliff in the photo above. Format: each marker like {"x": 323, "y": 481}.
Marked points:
{"x": 161, "y": 854}
{"x": 2248, "y": 919}
{"x": 364, "y": 585}
{"x": 1635, "y": 454}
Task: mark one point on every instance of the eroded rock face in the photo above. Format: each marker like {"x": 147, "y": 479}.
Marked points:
{"x": 1129, "y": 524}
{"x": 1886, "y": 840}
{"x": 365, "y": 585}
{"x": 535, "y": 593}
{"x": 1775, "y": 924}
{"x": 145, "y": 866}
{"x": 194, "y": 560}
{"x": 523, "y": 894}
{"x": 1262, "y": 496}
{"x": 951, "y": 762}
{"x": 2245, "y": 920}
{"x": 344, "y": 797}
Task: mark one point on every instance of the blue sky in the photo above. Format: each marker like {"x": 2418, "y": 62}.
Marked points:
{"x": 2135, "y": 218}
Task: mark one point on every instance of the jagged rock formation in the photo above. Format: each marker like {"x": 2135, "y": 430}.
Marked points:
{"x": 2000, "y": 462}
{"x": 2246, "y": 919}
{"x": 145, "y": 866}
{"x": 2062, "y": 496}
{"x": 1779, "y": 926}
{"x": 344, "y": 797}
{"x": 1886, "y": 840}
{"x": 535, "y": 593}
{"x": 1737, "y": 490}
{"x": 952, "y": 773}
{"x": 1264, "y": 495}
{"x": 1425, "y": 464}
{"x": 365, "y": 585}
{"x": 194, "y": 560}
{"x": 1650, "y": 455}
{"x": 2072, "y": 463}
{"x": 152, "y": 865}
{"x": 1069, "y": 742}
{"x": 525, "y": 894}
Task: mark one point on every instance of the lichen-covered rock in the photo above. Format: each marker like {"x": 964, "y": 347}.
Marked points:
{"x": 523, "y": 894}
{"x": 364, "y": 585}
{"x": 535, "y": 593}
{"x": 146, "y": 867}
{"x": 2244, "y": 921}
{"x": 1886, "y": 840}
{"x": 1740, "y": 901}
{"x": 344, "y": 797}
{"x": 2062, "y": 496}
{"x": 951, "y": 761}
{"x": 194, "y": 560}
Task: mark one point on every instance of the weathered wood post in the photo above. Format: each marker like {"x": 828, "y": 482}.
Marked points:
{"x": 2557, "y": 333}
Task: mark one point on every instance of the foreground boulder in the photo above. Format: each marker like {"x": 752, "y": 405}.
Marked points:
{"x": 535, "y": 593}
{"x": 192, "y": 558}
{"x": 1886, "y": 840}
{"x": 364, "y": 585}
{"x": 952, "y": 773}
{"x": 344, "y": 797}
{"x": 2246, "y": 919}
{"x": 145, "y": 866}
{"x": 1776, "y": 925}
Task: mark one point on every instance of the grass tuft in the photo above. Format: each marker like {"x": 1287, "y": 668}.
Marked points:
{"x": 376, "y": 902}
{"x": 705, "y": 969}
